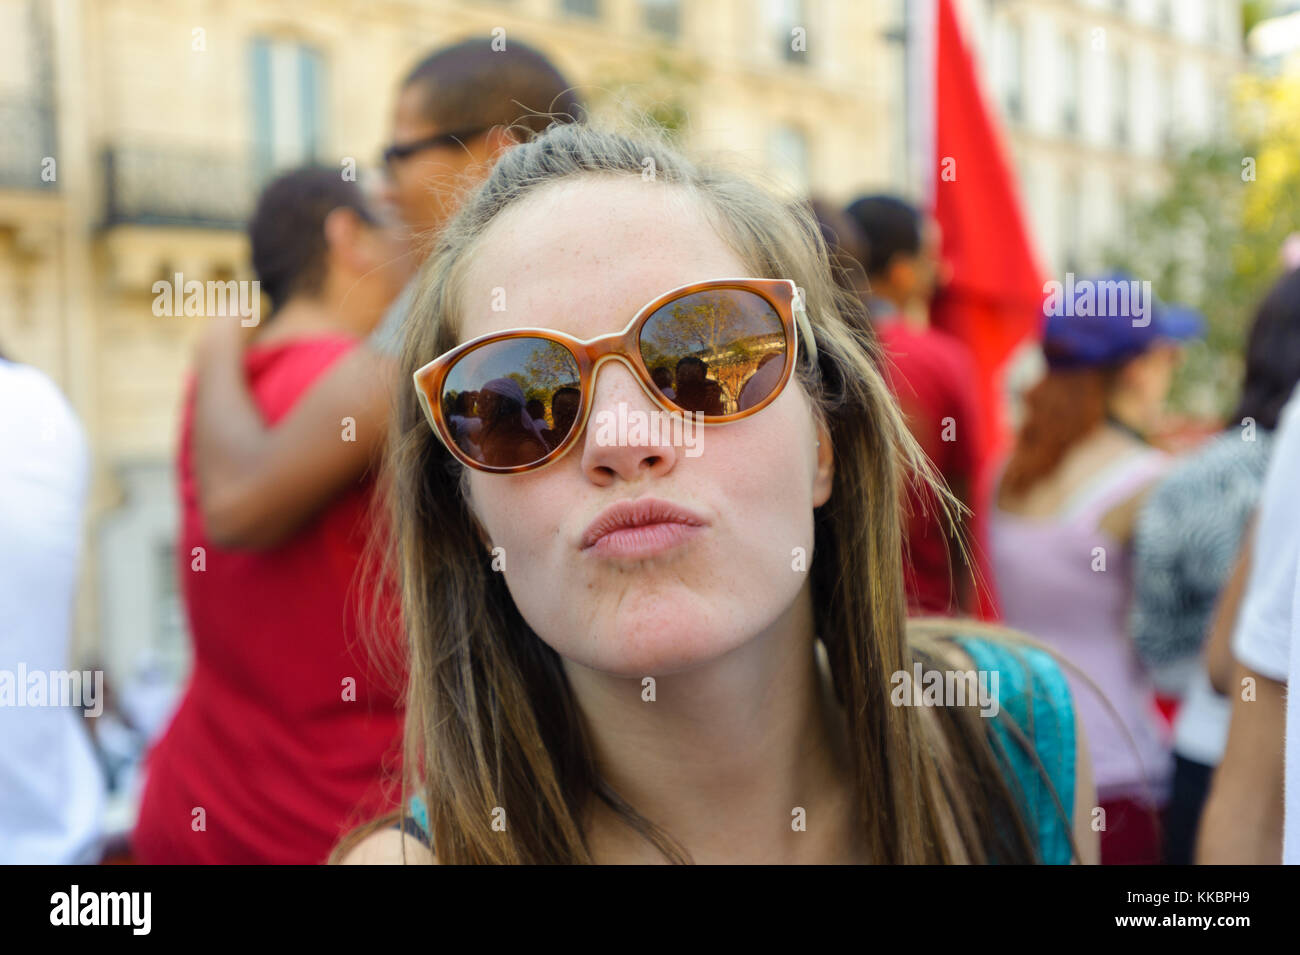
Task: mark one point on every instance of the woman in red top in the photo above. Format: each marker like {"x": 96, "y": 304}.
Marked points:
{"x": 287, "y": 727}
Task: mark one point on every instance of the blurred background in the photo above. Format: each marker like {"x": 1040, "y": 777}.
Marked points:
{"x": 137, "y": 133}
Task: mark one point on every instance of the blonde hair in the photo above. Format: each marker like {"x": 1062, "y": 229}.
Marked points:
{"x": 491, "y": 720}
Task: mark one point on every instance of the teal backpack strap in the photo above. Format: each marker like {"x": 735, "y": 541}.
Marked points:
{"x": 1033, "y": 691}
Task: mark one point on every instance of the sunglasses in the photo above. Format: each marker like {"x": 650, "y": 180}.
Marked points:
{"x": 402, "y": 150}
{"x": 517, "y": 400}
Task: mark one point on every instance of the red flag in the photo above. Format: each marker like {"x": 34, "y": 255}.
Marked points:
{"x": 992, "y": 300}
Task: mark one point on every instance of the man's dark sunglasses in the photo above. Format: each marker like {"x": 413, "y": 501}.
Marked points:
{"x": 403, "y": 150}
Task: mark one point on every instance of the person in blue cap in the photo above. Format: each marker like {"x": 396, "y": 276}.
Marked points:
{"x": 1104, "y": 321}
{"x": 1061, "y": 531}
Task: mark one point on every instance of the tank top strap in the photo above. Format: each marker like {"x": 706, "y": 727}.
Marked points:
{"x": 1116, "y": 483}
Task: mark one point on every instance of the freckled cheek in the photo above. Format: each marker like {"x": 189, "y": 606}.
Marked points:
{"x": 527, "y": 522}
{"x": 767, "y": 483}
{"x": 531, "y": 524}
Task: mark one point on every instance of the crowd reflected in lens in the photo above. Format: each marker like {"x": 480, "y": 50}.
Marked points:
{"x": 717, "y": 352}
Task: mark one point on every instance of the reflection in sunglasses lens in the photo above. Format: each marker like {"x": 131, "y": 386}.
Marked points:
{"x": 510, "y": 403}
{"x": 718, "y": 352}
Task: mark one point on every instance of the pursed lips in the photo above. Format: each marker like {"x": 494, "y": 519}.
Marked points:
{"x": 641, "y": 528}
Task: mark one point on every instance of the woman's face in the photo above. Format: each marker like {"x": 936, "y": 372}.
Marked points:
{"x": 581, "y": 257}
{"x": 1147, "y": 379}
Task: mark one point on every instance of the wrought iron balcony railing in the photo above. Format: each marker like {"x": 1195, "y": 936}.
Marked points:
{"x": 162, "y": 185}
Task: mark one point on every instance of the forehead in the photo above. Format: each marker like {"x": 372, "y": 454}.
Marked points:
{"x": 582, "y": 256}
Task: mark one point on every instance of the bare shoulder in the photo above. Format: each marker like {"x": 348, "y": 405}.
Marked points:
{"x": 943, "y": 636}
{"x": 953, "y": 654}
{"x": 946, "y": 634}
{"x": 385, "y": 847}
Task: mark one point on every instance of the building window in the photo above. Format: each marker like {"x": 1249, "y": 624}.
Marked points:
{"x": 1123, "y": 210}
{"x": 1119, "y": 91}
{"x": 1070, "y": 86}
{"x": 288, "y": 97}
{"x": 1011, "y": 56}
{"x": 1070, "y": 224}
{"x": 582, "y": 8}
{"x": 788, "y": 155}
{"x": 1164, "y": 15}
{"x": 1163, "y": 109}
{"x": 662, "y": 17}
{"x": 788, "y": 25}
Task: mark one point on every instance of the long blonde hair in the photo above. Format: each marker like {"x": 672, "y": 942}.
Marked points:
{"x": 491, "y": 721}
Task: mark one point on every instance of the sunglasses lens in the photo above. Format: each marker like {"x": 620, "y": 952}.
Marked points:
{"x": 511, "y": 403}
{"x": 719, "y": 351}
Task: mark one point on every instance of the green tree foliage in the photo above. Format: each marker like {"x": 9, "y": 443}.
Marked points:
{"x": 1212, "y": 237}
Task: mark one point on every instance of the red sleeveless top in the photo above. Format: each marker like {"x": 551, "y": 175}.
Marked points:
{"x": 285, "y": 728}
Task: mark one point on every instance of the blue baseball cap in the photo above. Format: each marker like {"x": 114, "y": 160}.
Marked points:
{"x": 1109, "y": 319}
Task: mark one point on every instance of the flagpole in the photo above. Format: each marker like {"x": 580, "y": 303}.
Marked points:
{"x": 919, "y": 90}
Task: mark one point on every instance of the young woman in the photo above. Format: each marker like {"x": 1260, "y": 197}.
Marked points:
{"x": 1062, "y": 533}
{"x": 280, "y": 741}
{"x": 621, "y": 652}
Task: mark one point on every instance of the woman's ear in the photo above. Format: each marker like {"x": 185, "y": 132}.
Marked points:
{"x": 824, "y": 477}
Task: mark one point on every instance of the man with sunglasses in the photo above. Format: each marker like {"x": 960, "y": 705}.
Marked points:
{"x": 456, "y": 111}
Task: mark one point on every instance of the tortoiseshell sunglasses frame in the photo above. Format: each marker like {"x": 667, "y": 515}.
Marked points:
{"x": 782, "y": 294}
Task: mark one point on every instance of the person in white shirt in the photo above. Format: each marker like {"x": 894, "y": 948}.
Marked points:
{"x": 1245, "y": 820}
{"x": 52, "y": 790}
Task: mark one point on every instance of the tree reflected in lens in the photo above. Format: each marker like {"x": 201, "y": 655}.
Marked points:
{"x": 713, "y": 351}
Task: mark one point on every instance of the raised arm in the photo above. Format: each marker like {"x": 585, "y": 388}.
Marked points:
{"x": 258, "y": 485}
{"x": 1218, "y": 649}
{"x": 1242, "y": 821}
{"x": 1085, "y": 799}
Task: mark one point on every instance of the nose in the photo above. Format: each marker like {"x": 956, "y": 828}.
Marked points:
{"x": 628, "y": 436}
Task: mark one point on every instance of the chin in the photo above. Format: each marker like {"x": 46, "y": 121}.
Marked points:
{"x": 668, "y": 640}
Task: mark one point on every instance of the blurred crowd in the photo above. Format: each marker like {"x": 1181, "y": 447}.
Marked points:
{"x": 1165, "y": 581}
